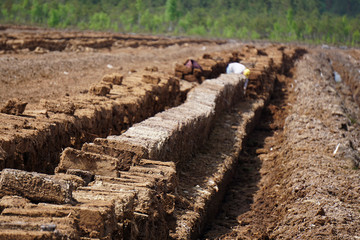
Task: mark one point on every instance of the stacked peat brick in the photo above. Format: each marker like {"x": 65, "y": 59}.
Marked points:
{"x": 33, "y": 141}
{"x": 122, "y": 186}
{"x": 134, "y": 204}
{"x": 107, "y": 208}
{"x": 167, "y": 138}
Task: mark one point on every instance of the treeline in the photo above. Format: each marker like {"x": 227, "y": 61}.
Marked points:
{"x": 315, "y": 21}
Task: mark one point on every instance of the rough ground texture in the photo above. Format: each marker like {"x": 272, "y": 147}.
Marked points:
{"x": 290, "y": 145}
{"x": 32, "y": 75}
{"x": 298, "y": 176}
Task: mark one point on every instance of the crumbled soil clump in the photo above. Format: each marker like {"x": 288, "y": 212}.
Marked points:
{"x": 14, "y": 106}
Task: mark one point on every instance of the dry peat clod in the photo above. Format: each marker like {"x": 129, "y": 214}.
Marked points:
{"x": 100, "y": 89}
{"x": 57, "y": 106}
{"x": 152, "y": 69}
{"x": 114, "y": 78}
{"x": 151, "y": 79}
{"x": 14, "y": 106}
{"x": 36, "y": 187}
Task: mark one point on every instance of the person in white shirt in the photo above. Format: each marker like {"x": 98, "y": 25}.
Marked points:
{"x": 239, "y": 68}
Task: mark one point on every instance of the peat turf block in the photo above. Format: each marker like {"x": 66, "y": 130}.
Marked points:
{"x": 35, "y": 186}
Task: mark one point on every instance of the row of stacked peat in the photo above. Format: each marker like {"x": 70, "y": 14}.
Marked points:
{"x": 122, "y": 186}
{"x": 110, "y": 189}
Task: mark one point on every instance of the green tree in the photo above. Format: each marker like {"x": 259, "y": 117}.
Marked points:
{"x": 185, "y": 22}
{"x": 5, "y": 16}
{"x": 140, "y": 8}
{"x": 99, "y": 21}
{"x": 243, "y": 33}
{"x": 54, "y": 18}
{"x": 198, "y": 30}
{"x": 37, "y": 12}
{"x": 290, "y": 31}
{"x": 171, "y": 12}
{"x": 18, "y": 13}
{"x": 355, "y": 38}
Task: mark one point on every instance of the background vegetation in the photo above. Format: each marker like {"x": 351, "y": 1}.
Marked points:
{"x": 315, "y": 21}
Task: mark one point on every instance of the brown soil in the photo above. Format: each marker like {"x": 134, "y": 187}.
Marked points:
{"x": 296, "y": 173}
{"x": 290, "y": 183}
{"x": 31, "y": 75}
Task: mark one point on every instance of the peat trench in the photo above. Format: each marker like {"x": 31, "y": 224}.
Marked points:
{"x": 264, "y": 200}
{"x": 162, "y": 177}
{"x": 245, "y": 182}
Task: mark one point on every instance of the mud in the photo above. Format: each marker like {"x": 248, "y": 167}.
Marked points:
{"x": 149, "y": 148}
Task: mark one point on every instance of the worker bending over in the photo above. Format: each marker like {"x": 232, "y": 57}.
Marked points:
{"x": 239, "y": 68}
